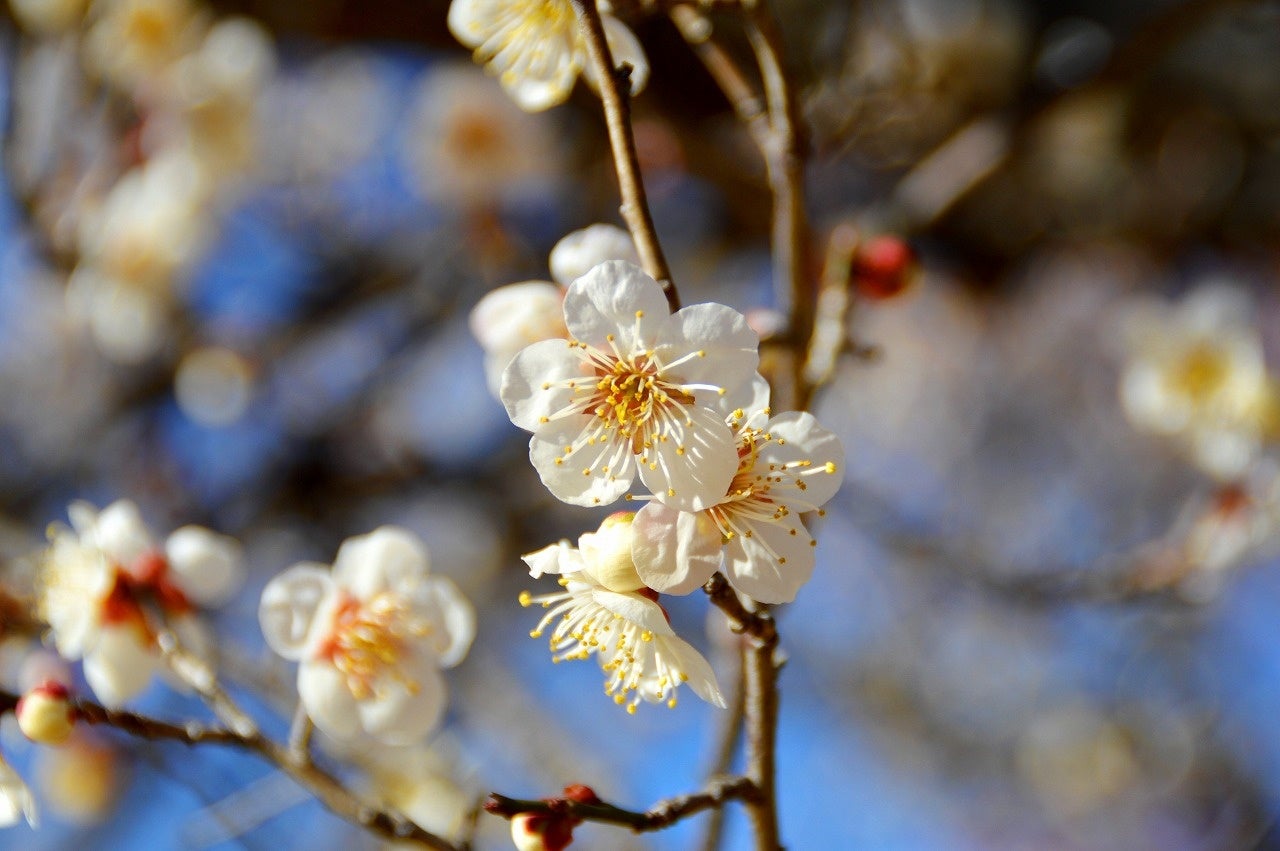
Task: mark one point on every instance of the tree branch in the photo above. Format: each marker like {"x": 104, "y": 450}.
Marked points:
{"x": 615, "y": 93}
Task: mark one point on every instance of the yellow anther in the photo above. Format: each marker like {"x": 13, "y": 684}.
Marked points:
{"x": 526, "y": 599}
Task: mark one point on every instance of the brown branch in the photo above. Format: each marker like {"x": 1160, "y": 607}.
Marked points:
{"x": 300, "y": 735}
{"x": 726, "y": 746}
{"x": 742, "y": 96}
{"x": 615, "y": 93}
{"x": 662, "y": 814}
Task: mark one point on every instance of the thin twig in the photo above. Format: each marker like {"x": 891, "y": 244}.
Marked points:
{"x": 615, "y": 93}
{"x": 662, "y": 814}
{"x": 726, "y": 746}
{"x": 300, "y": 735}
{"x": 747, "y": 105}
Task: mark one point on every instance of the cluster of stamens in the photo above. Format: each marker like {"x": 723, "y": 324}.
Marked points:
{"x": 369, "y": 639}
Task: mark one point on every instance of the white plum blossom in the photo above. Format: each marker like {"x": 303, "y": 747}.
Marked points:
{"x": 632, "y": 390}
{"x": 16, "y": 800}
{"x": 1197, "y": 373}
{"x": 606, "y": 610}
{"x": 370, "y": 636}
{"x": 787, "y": 465}
{"x": 536, "y": 49}
{"x": 130, "y": 41}
{"x": 517, "y": 315}
{"x": 96, "y": 577}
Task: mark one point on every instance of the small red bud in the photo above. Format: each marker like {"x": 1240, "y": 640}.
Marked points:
{"x": 580, "y": 793}
{"x": 884, "y": 267}
{"x": 45, "y": 714}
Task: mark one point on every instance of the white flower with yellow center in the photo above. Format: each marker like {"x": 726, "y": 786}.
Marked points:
{"x": 1197, "y": 373}
{"x": 607, "y": 611}
{"x": 370, "y": 637}
{"x": 787, "y": 465}
{"x": 632, "y": 389}
{"x": 101, "y": 579}
{"x": 536, "y": 49}
{"x": 517, "y": 315}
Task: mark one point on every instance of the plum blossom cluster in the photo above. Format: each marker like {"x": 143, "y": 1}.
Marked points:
{"x": 370, "y": 636}
{"x": 107, "y": 589}
{"x": 635, "y": 394}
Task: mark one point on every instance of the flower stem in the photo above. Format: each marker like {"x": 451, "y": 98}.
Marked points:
{"x": 615, "y": 93}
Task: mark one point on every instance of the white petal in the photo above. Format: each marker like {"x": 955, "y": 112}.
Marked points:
{"x": 641, "y": 611}
{"x": 208, "y": 566}
{"x": 554, "y": 558}
{"x": 517, "y": 315}
{"x": 471, "y": 21}
{"x": 389, "y": 558}
{"x": 121, "y": 533}
{"x": 453, "y": 618}
{"x": 582, "y": 250}
{"x": 291, "y": 603}
{"x": 534, "y": 94}
{"x": 797, "y": 437}
{"x": 119, "y": 666}
{"x": 529, "y": 388}
{"x": 675, "y": 551}
{"x": 16, "y": 801}
{"x": 626, "y": 49}
{"x": 730, "y": 348}
{"x": 398, "y": 716}
{"x": 608, "y": 463}
{"x": 701, "y": 678}
{"x": 693, "y": 468}
{"x": 750, "y": 397}
{"x": 615, "y": 298}
{"x": 329, "y": 703}
{"x": 754, "y": 564}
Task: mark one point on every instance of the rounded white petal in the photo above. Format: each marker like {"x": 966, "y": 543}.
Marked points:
{"x": 534, "y": 94}
{"x": 119, "y": 665}
{"x": 290, "y": 607}
{"x": 639, "y": 610}
{"x": 471, "y": 21}
{"x": 389, "y": 558}
{"x": 208, "y": 566}
{"x": 675, "y": 552}
{"x": 593, "y": 473}
{"x": 615, "y": 298}
{"x": 626, "y": 50}
{"x": 16, "y": 801}
{"x": 554, "y": 558}
{"x": 814, "y": 457}
{"x": 328, "y": 700}
{"x": 1148, "y": 402}
{"x": 729, "y": 348}
{"x": 121, "y": 534}
{"x": 751, "y": 398}
{"x": 583, "y": 250}
{"x": 517, "y": 315}
{"x": 701, "y": 677}
{"x": 397, "y": 715}
{"x": 693, "y": 468}
{"x": 773, "y": 563}
{"x": 529, "y": 390}
{"x": 453, "y": 618}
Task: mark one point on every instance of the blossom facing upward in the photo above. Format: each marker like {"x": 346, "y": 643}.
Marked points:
{"x": 97, "y": 577}
{"x": 536, "y": 49}
{"x": 632, "y": 390}
{"x": 606, "y": 611}
{"x": 1196, "y": 373}
{"x": 370, "y": 636}
{"x": 787, "y": 465}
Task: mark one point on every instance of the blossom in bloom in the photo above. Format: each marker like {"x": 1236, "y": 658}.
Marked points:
{"x": 130, "y": 41}
{"x": 632, "y": 390}
{"x": 517, "y": 315}
{"x": 605, "y": 610}
{"x": 535, "y": 47}
{"x": 16, "y": 800}
{"x": 787, "y": 465}
{"x": 1196, "y": 373}
{"x": 370, "y": 636}
{"x": 97, "y": 576}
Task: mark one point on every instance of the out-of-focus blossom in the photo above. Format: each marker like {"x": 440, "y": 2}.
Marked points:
{"x": 16, "y": 801}
{"x": 536, "y": 49}
{"x": 48, "y": 16}
{"x": 1196, "y": 373}
{"x": 371, "y": 636}
{"x": 96, "y": 576}
{"x": 418, "y": 782}
{"x": 787, "y": 465}
{"x": 131, "y": 41}
{"x": 45, "y": 715}
{"x": 466, "y": 144}
{"x": 517, "y": 315}
{"x": 605, "y": 610}
{"x": 632, "y": 389}
{"x": 80, "y": 780}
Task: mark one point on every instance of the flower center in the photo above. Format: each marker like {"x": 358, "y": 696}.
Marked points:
{"x": 368, "y": 640}
{"x": 630, "y": 394}
{"x": 1201, "y": 372}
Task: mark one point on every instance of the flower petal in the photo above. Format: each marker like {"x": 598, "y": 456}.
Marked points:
{"x": 701, "y": 677}
{"x": 389, "y": 558}
{"x": 398, "y": 715}
{"x": 530, "y": 389}
{"x": 121, "y": 534}
{"x": 809, "y": 457}
{"x": 290, "y": 605}
{"x": 773, "y": 563}
{"x": 328, "y": 700}
{"x": 675, "y": 552}
{"x": 625, "y": 49}
{"x": 693, "y": 467}
{"x": 728, "y": 347}
{"x": 582, "y": 250}
{"x": 615, "y": 298}
{"x": 16, "y": 800}
{"x": 517, "y": 315}
{"x": 453, "y": 617}
{"x": 592, "y": 473}
{"x": 208, "y": 565}
{"x": 559, "y": 557}
{"x": 119, "y": 666}
{"x": 641, "y": 611}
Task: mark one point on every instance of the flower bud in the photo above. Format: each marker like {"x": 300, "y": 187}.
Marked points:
{"x": 45, "y": 714}
{"x": 541, "y": 832}
{"x": 606, "y": 553}
{"x": 884, "y": 267}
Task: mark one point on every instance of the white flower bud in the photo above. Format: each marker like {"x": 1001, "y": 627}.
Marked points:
{"x": 606, "y": 553}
